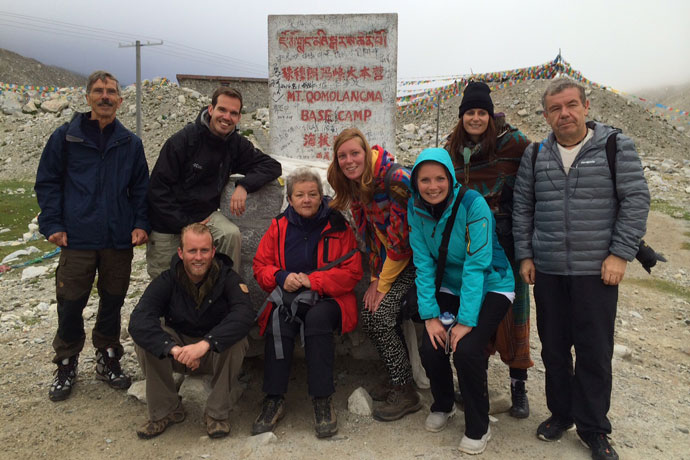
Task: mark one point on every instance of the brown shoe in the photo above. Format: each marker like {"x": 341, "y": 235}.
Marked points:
{"x": 153, "y": 428}
{"x": 217, "y": 428}
{"x": 272, "y": 410}
{"x": 379, "y": 392}
{"x": 402, "y": 400}
{"x": 325, "y": 421}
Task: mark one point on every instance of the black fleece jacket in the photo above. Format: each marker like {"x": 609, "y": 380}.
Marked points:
{"x": 193, "y": 168}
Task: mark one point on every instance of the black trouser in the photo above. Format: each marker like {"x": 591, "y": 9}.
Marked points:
{"x": 319, "y": 323}
{"x": 470, "y": 361}
{"x": 74, "y": 278}
{"x": 577, "y": 311}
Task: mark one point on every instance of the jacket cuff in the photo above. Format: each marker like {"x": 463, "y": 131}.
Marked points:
{"x": 281, "y": 276}
{"x": 211, "y": 339}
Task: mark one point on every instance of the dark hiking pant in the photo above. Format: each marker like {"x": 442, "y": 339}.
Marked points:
{"x": 319, "y": 323}
{"x": 580, "y": 312}
{"x": 471, "y": 361}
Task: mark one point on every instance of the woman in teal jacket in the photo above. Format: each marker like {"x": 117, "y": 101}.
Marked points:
{"x": 476, "y": 287}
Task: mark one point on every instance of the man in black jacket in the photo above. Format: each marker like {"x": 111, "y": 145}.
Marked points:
{"x": 207, "y": 315}
{"x": 190, "y": 174}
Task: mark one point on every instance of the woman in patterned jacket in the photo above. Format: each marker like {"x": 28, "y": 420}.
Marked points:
{"x": 358, "y": 177}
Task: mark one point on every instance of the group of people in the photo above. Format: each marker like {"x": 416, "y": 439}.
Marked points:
{"x": 452, "y": 243}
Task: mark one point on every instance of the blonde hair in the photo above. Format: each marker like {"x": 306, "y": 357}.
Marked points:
{"x": 197, "y": 229}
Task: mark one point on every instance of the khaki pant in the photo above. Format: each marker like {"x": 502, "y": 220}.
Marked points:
{"x": 162, "y": 246}
{"x": 161, "y": 394}
{"x": 74, "y": 279}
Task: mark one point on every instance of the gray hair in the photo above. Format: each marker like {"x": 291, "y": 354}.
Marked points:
{"x": 303, "y": 174}
{"x": 561, "y": 84}
{"x": 101, "y": 75}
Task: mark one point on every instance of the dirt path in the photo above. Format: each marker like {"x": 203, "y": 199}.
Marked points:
{"x": 650, "y": 410}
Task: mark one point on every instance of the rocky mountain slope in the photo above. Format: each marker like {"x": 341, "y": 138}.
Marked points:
{"x": 19, "y": 70}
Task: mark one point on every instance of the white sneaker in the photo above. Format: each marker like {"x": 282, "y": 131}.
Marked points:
{"x": 437, "y": 421}
{"x": 475, "y": 446}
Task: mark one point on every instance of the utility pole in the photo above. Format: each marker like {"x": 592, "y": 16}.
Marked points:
{"x": 138, "y": 46}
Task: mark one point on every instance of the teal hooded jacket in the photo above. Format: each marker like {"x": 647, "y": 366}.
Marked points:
{"x": 476, "y": 263}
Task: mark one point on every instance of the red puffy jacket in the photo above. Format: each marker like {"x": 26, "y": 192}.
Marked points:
{"x": 337, "y": 239}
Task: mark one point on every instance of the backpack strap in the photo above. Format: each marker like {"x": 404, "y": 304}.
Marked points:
{"x": 611, "y": 151}
{"x": 537, "y": 149}
{"x": 443, "y": 249}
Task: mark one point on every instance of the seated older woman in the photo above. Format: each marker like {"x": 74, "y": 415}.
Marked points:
{"x": 308, "y": 261}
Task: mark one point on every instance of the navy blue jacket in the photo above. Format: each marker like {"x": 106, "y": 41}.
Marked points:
{"x": 97, "y": 196}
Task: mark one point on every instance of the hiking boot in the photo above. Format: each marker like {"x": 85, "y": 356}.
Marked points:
{"x": 325, "y": 421}
{"x": 553, "y": 428}
{"x": 108, "y": 369}
{"x": 65, "y": 377}
{"x": 475, "y": 446}
{"x": 380, "y": 391}
{"x": 599, "y": 444}
{"x": 518, "y": 395}
{"x": 152, "y": 428}
{"x": 402, "y": 400}
{"x": 272, "y": 410}
{"x": 437, "y": 421}
{"x": 217, "y": 428}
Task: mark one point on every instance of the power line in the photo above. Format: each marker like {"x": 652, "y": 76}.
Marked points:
{"x": 174, "y": 49}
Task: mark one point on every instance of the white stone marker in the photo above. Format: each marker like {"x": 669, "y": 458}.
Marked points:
{"x": 327, "y": 73}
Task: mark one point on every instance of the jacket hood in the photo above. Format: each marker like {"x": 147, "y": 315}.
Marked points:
{"x": 438, "y": 155}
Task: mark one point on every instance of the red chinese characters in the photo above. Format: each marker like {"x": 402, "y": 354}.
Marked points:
{"x": 331, "y": 73}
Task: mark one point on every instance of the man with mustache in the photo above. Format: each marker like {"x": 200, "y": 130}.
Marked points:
{"x": 91, "y": 186}
{"x": 576, "y": 226}
{"x": 189, "y": 176}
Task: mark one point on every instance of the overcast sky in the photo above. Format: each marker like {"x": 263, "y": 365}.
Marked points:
{"x": 627, "y": 45}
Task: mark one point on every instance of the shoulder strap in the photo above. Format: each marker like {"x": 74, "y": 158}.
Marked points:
{"x": 443, "y": 249}
{"x": 387, "y": 178}
{"x": 611, "y": 151}
{"x": 537, "y": 149}
{"x": 337, "y": 261}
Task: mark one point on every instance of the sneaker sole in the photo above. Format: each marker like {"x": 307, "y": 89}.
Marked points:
{"x": 443, "y": 427}
{"x": 387, "y": 418}
{"x": 476, "y": 452}
{"x": 544, "y": 438}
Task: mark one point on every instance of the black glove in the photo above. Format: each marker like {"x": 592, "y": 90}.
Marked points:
{"x": 648, "y": 257}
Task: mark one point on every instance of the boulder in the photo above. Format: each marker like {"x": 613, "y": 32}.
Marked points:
{"x": 360, "y": 403}
{"x": 55, "y": 105}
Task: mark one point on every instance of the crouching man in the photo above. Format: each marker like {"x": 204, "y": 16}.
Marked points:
{"x": 207, "y": 314}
